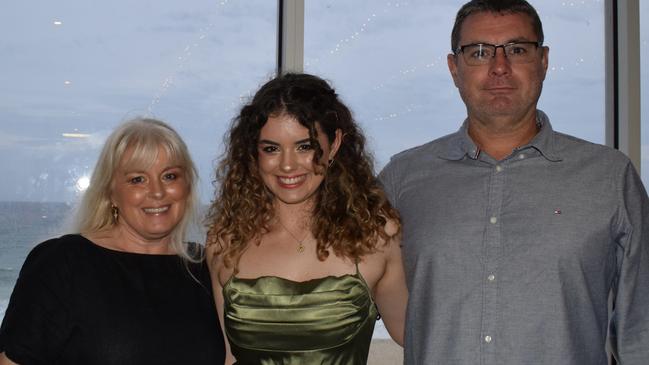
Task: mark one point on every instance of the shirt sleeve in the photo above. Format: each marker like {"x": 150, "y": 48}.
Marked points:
{"x": 630, "y": 317}
{"x": 386, "y": 179}
{"x": 36, "y": 322}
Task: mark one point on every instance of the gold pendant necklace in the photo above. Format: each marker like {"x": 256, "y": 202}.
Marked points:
{"x": 300, "y": 244}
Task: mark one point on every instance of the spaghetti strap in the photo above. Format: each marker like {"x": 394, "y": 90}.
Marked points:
{"x": 367, "y": 287}
{"x": 360, "y": 276}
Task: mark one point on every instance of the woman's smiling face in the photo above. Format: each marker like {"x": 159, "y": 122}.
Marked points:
{"x": 151, "y": 201}
{"x": 286, "y": 158}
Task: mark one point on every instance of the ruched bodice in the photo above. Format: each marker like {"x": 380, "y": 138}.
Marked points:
{"x": 271, "y": 320}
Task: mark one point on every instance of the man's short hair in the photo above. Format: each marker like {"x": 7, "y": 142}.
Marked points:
{"x": 495, "y": 6}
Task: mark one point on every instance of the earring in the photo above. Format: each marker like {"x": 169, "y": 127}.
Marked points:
{"x": 331, "y": 162}
{"x": 115, "y": 213}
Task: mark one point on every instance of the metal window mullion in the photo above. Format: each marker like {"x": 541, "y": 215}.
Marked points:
{"x": 290, "y": 40}
{"x": 623, "y": 77}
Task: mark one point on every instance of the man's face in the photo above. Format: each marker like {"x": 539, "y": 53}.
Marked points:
{"x": 499, "y": 89}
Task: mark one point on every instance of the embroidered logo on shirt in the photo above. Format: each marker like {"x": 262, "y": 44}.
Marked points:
{"x": 557, "y": 211}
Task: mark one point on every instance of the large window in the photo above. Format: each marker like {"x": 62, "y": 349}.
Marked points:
{"x": 388, "y": 61}
{"x": 74, "y": 69}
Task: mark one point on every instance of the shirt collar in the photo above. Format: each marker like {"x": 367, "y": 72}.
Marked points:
{"x": 461, "y": 145}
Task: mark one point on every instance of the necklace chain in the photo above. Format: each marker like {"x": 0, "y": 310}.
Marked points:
{"x": 300, "y": 244}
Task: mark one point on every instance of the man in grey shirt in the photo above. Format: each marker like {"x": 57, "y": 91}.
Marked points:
{"x": 514, "y": 235}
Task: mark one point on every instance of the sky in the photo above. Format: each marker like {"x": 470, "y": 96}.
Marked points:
{"x": 194, "y": 63}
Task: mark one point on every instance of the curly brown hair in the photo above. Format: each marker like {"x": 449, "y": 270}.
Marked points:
{"x": 350, "y": 210}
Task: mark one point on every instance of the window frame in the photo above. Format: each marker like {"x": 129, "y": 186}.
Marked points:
{"x": 622, "y": 66}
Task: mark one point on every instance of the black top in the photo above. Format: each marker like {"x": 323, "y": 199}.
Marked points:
{"x": 79, "y": 303}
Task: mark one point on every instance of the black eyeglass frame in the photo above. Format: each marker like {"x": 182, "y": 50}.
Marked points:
{"x": 460, "y": 49}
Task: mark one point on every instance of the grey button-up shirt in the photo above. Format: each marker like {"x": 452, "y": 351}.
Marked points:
{"x": 512, "y": 261}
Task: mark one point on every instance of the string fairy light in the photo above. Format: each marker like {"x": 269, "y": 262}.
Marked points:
{"x": 181, "y": 62}
{"x": 354, "y": 35}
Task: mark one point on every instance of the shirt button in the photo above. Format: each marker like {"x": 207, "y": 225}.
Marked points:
{"x": 521, "y": 156}
{"x": 493, "y": 220}
{"x": 499, "y": 168}
{"x": 487, "y": 339}
{"x": 491, "y": 277}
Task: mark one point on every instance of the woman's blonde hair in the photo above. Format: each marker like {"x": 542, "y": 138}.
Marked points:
{"x": 145, "y": 136}
{"x": 350, "y": 211}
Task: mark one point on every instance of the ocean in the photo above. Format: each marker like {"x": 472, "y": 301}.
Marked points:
{"x": 25, "y": 224}
{"x": 22, "y": 226}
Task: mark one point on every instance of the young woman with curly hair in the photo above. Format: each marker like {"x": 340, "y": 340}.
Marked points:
{"x": 303, "y": 246}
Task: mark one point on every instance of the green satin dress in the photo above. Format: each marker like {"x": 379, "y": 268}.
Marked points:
{"x": 270, "y": 320}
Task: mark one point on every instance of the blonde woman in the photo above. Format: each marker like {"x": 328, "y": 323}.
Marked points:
{"x": 127, "y": 288}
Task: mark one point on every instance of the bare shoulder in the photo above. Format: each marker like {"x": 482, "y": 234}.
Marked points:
{"x": 215, "y": 259}
{"x": 386, "y": 244}
{"x": 377, "y": 264}
{"x": 392, "y": 227}
{"x": 391, "y": 248}
{"x": 213, "y": 247}
{"x": 392, "y": 237}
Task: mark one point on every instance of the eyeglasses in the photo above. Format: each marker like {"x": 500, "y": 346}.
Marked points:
{"x": 479, "y": 54}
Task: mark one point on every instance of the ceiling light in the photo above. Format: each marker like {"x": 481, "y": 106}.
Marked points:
{"x": 75, "y": 135}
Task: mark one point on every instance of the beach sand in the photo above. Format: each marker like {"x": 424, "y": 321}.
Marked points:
{"x": 385, "y": 352}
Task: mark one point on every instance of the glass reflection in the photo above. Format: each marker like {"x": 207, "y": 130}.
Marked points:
{"x": 65, "y": 86}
